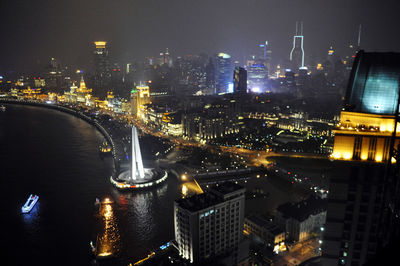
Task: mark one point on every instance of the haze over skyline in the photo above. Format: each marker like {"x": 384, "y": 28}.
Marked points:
{"x": 34, "y": 31}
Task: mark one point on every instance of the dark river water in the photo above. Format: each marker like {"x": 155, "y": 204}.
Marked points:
{"x": 55, "y": 155}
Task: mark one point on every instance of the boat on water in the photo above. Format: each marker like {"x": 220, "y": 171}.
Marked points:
{"x": 30, "y": 203}
{"x": 3, "y": 108}
{"x": 105, "y": 148}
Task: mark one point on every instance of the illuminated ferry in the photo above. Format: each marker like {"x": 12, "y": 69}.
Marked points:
{"x": 30, "y": 203}
{"x": 105, "y": 148}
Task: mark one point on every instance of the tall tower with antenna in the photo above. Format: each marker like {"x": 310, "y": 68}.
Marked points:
{"x": 297, "y": 53}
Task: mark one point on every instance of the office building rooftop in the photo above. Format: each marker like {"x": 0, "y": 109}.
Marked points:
{"x": 303, "y": 209}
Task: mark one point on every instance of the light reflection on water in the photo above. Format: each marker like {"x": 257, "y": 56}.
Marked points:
{"x": 140, "y": 208}
{"x": 109, "y": 240}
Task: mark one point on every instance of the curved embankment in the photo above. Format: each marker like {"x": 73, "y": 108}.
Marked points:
{"x": 73, "y": 112}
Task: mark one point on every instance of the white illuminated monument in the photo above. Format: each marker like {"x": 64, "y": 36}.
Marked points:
{"x": 136, "y": 176}
{"x": 137, "y": 170}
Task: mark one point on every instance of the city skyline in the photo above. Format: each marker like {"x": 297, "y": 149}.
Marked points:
{"x": 136, "y": 30}
{"x": 231, "y": 132}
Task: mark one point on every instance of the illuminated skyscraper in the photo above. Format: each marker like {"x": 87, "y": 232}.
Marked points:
{"x": 257, "y": 77}
{"x": 134, "y": 103}
{"x": 297, "y": 53}
{"x": 224, "y": 72}
{"x": 210, "y": 224}
{"x": 363, "y": 205}
{"x": 139, "y": 97}
{"x": 102, "y": 72}
{"x": 54, "y": 76}
{"x": 265, "y": 55}
{"x": 367, "y": 121}
{"x": 240, "y": 80}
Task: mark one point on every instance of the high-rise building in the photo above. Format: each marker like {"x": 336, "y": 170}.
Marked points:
{"x": 265, "y": 55}
{"x": 134, "y": 103}
{"x": 224, "y": 72}
{"x": 240, "y": 80}
{"x": 363, "y": 204}
{"x": 54, "y": 76}
{"x": 102, "y": 72}
{"x": 257, "y": 78}
{"x": 139, "y": 97}
{"x": 210, "y": 224}
{"x": 367, "y": 120}
{"x": 350, "y": 234}
{"x": 297, "y": 53}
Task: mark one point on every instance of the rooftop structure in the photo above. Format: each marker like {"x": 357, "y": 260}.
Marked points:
{"x": 303, "y": 209}
{"x": 368, "y": 119}
{"x": 100, "y": 44}
{"x": 302, "y": 218}
{"x": 264, "y": 228}
{"x": 374, "y": 84}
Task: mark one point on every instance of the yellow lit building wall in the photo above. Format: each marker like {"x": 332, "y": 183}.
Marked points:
{"x": 100, "y": 44}
{"x": 362, "y": 136}
{"x": 143, "y": 97}
{"x": 372, "y": 148}
{"x": 380, "y": 145}
{"x": 364, "y": 148}
{"x": 343, "y": 147}
{"x": 354, "y": 121}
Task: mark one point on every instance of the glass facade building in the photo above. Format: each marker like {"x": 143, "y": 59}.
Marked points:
{"x": 224, "y": 72}
{"x": 374, "y": 84}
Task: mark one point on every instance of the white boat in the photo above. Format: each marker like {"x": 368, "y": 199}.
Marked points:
{"x": 30, "y": 203}
{"x": 2, "y": 108}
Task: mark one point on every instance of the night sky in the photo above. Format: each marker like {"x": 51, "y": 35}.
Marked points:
{"x": 34, "y": 30}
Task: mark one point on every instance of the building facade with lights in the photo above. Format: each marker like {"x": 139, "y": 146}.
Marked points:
{"x": 368, "y": 117}
{"x": 362, "y": 184}
{"x": 210, "y": 224}
{"x": 102, "y": 69}
{"x": 240, "y": 80}
{"x": 139, "y": 97}
{"x": 224, "y": 72}
{"x": 266, "y": 230}
{"x": 257, "y": 78}
{"x": 303, "y": 218}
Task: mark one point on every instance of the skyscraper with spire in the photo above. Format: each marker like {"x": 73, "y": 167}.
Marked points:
{"x": 297, "y": 53}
